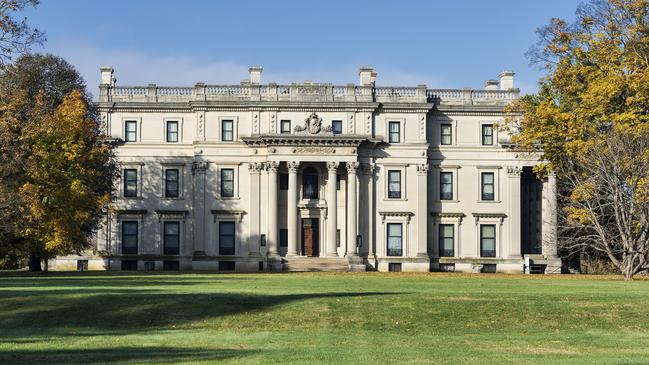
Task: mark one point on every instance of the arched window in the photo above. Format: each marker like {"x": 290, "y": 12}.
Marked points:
{"x": 310, "y": 183}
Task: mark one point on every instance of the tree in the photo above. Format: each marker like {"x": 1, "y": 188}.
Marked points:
{"x": 594, "y": 96}
{"x": 57, "y": 174}
{"x": 16, "y": 36}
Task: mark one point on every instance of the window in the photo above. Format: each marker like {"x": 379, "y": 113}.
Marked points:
{"x": 446, "y": 240}
{"x": 171, "y": 183}
{"x": 394, "y": 267}
{"x": 283, "y": 237}
{"x": 129, "y": 238}
{"x": 310, "y": 183}
{"x": 395, "y": 241}
{"x": 488, "y": 240}
{"x": 130, "y": 131}
{"x": 227, "y": 183}
{"x": 283, "y": 181}
{"x": 337, "y": 126}
{"x": 130, "y": 183}
{"x": 172, "y": 131}
{"x": 394, "y": 132}
{"x": 487, "y": 190}
{"x": 446, "y": 186}
{"x": 82, "y": 265}
{"x": 227, "y": 130}
{"x": 171, "y": 238}
{"x": 446, "y": 134}
{"x": 170, "y": 265}
{"x": 487, "y": 134}
{"x": 394, "y": 184}
{"x": 130, "y": 265}
{"x": 337, "y": 238}
{"x": 285, "y": 126}
{"x": 226, "y": 238}
{"x": 226, "y": 265}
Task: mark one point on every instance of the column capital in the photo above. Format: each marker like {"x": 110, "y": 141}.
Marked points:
{"x": 332, "y": 167}
{"x": 255, "y": 167}
{"x": 352, "y": 167}
{"x": 368, "y": 168}
{"x": 514, "y": 171}
{"x": 292, "y": 166}
{"x": 272, "y": 166}
{"x": 422, "y": 169}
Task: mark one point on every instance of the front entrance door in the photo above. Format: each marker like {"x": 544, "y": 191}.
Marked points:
{"x": 310, "y": 234}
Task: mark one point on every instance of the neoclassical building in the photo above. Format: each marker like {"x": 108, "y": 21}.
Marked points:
{"x": 315, "y": 176}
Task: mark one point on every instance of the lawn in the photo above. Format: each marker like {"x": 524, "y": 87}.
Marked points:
{"x": 369, "y": 318}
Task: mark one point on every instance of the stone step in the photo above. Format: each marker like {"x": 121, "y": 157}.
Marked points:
{"x": 315, "y": 264}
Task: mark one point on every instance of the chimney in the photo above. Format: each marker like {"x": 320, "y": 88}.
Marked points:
{"x": 107, "y": 76}
{"x": 506, "y": 80}
{"x": 255, "y": 74}
{"x": 367, "y": 76}
{"x": 491, "y": 85}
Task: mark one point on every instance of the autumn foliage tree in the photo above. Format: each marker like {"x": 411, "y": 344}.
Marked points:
{"x": 57, "y": 174}
{"x": 589, "y": 121}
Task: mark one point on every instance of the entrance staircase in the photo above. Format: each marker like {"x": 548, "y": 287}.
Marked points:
{"x": 303, "y": 263}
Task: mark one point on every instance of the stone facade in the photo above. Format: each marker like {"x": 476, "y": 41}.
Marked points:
{"x": 253, "y": 177}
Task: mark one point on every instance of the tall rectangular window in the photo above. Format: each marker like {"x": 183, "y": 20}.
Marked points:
{"x": 227, "y": 183}
{"x": 394, "y": 132}
{"x": 130, "y": 131}
{"x": 227, "y": 130}
{"x": 226, "y": 238}
{"x": 487, "y": 134}
{"x": 446, "y": 186}
{"x": 487, "y": 189}
{"x": 172, "y": 131}
{"x": 337, "y": 238}
{"x": 130, "y": 183}
{"x": 395, "y": 239}
{"x": 283, "y": 181}
{"x": 171, "y": 239}
{"x": 394, "y": 184}
{"x": 283, "y": 237}
{"x": 446, "y": 240}
{"x": 285, "y": 126}
{"x": 171, "y": 183}
{"x": 446, "y": 134}
{"x": 488, "y": 240}
{"x": 129, "y": 237}
{"x": 337, "y": 126}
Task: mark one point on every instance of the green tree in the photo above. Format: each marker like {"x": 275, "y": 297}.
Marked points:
{"x": 594, "y": 98}
{"x": 57, "y": 174}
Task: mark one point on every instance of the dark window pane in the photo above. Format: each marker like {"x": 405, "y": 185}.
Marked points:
{"x": 227, "y": 183}
{"x": 395, "y": 244}
{"x": 130, "y": 182}
{"x": 310, "y": 184}
{"x": 487, "y": 135}
{"x": 446, "y": 185}
{"x": 394, "y": 132}
{"x": 171, "y": 238}
{"x": 226, "y": 238}
{"x": 130, "y": 132}
{"x": 446, "y": 240}
{"x": 337, "y": 126}
{"x": 172, "y": 131}
{"x": 227, "y": 128}
{"x": 129, "y": 237}
{"x": 487, "y": 186}
{"x": 394, "y": 184}
{"x": 285, "y": 126}
{"x": 171, "y": 183}
{"x": 488, "y": 240}
{"x": 446, "y": 134}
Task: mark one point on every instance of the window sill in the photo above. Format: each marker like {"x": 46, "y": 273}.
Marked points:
{"x": 395, "y": 199}
{"x": 448, "y": 201}
{"x": 488, "y": 201}
{"x": 230, "y": 198}
{"x": 172, "y": 198}
{"x": 132, "y": 198}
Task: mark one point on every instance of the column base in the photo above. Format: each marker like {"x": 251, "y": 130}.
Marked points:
{"x": 274, "y": 263}
{"x": 356, "y": 263}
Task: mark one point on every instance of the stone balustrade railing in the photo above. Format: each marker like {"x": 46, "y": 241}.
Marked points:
{"x": 307, "y": 92}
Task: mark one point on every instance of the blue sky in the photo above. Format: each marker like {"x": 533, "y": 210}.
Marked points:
{"x": 444, "y": 44}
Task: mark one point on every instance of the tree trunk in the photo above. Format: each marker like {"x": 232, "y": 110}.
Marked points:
{"x": 34, "y": 262}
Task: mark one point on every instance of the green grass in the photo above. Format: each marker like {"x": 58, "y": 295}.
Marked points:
{"x": 368, "y": 318}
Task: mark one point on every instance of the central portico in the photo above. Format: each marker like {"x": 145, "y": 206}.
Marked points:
{"x": 308, "y": 167}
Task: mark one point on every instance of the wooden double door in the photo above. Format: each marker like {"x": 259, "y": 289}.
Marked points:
{"x": 310, "y": 237}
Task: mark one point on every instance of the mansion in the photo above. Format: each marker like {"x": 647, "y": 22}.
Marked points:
{"x": 314, "y": 176}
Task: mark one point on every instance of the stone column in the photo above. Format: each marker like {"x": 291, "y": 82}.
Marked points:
{"x": 549, "y": 229}
{"x": 422, "y": 211}
{"x": 272, "y": 208}
{"x": 198, "y": 218}
{"x": 515, "y": 213}
{"x": 255, "y": 182}
{"x": 332, "y": 209}
{"x": 291, "y": 208}
{"x": 352, "y": 211}
{"x": 371, "y": 254}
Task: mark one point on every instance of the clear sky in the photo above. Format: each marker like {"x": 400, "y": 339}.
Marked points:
{"x": 444, "y": 44}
